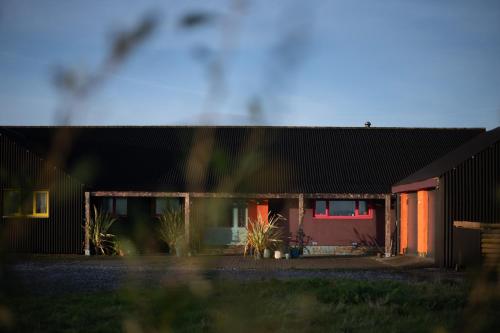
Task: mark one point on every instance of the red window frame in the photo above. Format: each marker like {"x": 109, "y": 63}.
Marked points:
{"x": 356, "y": 216}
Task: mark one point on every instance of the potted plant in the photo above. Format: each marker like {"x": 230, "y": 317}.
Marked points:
{"x": 171, "y": 230}
{"x": 263, "y": 235}
{"x": 299, "y": 243}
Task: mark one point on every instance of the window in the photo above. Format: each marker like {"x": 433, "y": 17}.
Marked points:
{"x": 362, "y": 208}
{"x": 115, "y": 206}
{"x": 11, "y": 203}
{"x": 121, "y": 206}
{"x": 41, "y": 203}
{"x": 107, "y": 205}
{"x": 164, "y": 204}
{"x": 240, "y": 214}
{"x": 26, "y": 203}
{"x": 320, "y": 207}
{"x": 342, "y": 209}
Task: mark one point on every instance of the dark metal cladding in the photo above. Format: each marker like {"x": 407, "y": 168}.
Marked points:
{"x": 62, "y": 231}
{"x": 249, "y": 159}
{"x": 472, "y": 193}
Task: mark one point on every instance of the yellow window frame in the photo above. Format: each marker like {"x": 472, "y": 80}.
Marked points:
{"x": 18, "y": 213}
{"x": 46, "y": 214}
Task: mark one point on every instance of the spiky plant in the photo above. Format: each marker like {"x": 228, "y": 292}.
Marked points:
{"x": 263, "y": 234}
{"x": 171, "y": 228}
{"x": 99, "y": 225}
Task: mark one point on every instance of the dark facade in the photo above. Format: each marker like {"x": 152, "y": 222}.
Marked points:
{"x": 252, "y": 170}
{"x": 463, "y": 185}
{"x": 23, "y": 172}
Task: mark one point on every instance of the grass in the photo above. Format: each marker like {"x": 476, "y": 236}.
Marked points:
{"x": 258, "y": 306}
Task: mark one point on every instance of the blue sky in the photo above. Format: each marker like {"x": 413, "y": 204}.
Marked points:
{"x": 314, "y": 63}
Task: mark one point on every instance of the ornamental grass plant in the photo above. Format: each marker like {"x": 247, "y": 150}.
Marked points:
{"x": 262, "y": 234}
{"x": 103, "y": 241}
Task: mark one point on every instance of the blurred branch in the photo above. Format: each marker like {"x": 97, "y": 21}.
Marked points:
{"x": 76, "y": 87}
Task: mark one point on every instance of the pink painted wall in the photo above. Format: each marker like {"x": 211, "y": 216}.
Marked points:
{"x": 341, "y": 232}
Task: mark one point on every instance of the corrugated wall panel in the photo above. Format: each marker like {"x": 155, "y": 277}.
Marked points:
{"x": 472, "y": 193}
{"x": 62, "y": 231}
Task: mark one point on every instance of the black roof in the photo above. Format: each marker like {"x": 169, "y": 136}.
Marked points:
{"x": 455, "y": 157}
{"x": 244, "y": 159}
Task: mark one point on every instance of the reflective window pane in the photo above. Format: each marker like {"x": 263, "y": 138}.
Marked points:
{"x": 164, "y": 204}
{"x": 41, "y": 202}
{"x": 362, "y": 208}
{"x": 121, "y": 206}
{"x": 320, "y": 207}
{"x": 107, "y": 205}
{"x": 160, "y": 206}
{"x": 342, "y": 208}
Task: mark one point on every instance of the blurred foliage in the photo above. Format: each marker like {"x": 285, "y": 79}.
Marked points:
{"x": 196, "y": 19}
{"x": 260, "y": 306}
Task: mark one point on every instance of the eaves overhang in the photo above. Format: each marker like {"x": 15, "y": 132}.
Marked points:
{"x": 416, "y": 186}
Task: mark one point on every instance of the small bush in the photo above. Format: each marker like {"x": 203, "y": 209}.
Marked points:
{"x": 99, "y": 225}
{"x": 262, "y": 234}
{"x": 171, "y": 228}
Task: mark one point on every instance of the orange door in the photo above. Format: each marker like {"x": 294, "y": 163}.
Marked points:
{"x": 256, "y": 208}
{"x": 403, "y": 224}
{"x": 423, "y": 222}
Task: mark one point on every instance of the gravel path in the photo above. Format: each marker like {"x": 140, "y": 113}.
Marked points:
{"x": 55, "y": 275}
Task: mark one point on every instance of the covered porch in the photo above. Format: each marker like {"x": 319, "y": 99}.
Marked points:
{"x": 220, "y": 219}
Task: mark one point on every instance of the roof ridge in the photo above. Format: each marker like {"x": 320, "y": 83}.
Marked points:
{"x": 241, "y": 126}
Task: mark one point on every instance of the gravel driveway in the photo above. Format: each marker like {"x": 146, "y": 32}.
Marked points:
{"x": 69, "y": 274}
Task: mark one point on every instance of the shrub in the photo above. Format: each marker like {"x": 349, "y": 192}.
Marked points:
{"x": 262, "y": 234}
{"x": 171, "y": 228}
{"x": 99, "y": 225}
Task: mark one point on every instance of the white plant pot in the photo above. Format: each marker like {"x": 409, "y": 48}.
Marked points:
{"x": 287, "y": 256}
{"x": 178, "y": 250}
{"x": 277, "y": 254}
{"x": 267, "y": 253}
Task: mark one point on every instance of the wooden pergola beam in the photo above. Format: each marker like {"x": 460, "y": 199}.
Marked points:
{"x": 226, "y": 195}
{"x": 344, "y": 196}
{"x": 138, "y": 194}
{"x": 476, "y": 225}
{"x": 244, "y": 195}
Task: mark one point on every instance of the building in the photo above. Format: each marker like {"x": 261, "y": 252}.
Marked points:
{"x": 333, "y": 183}
{"x": 41, "y": 205}
{"x": 446, "y": 207}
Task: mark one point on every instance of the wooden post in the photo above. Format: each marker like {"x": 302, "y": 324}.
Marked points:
{"x": 301, "y": 210}
{"x": 87, "y": 224}
{"x": 186, "y": 221}
{"x": 388, "y": 231}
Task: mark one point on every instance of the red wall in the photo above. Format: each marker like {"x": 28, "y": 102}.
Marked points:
{"x": 341, "y": 232}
